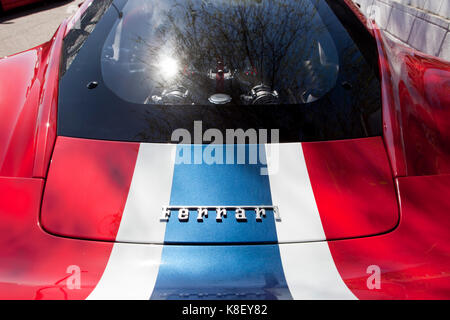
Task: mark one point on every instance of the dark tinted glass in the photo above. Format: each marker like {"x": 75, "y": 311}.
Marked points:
{"x": 137, "y": 70}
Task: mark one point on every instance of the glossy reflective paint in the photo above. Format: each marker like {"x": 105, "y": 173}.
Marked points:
{"x": 346, "y": 186}
{"x": 414, "y": 259}
{"x": 11, "y": 4}
{"x": 87, "y": 188}
{"x": 352, "y": 186}
{"x": 416, "y": 109}
{"x": 28, "y": 102}
{"x": 19, "y": 99}
{"x": 34, "y": 264}
{"x": 48, "y": 105}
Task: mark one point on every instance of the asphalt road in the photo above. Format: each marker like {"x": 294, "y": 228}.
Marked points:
{"x": 26, "y": 27}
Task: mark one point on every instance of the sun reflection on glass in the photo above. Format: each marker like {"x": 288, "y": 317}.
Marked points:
{"x": 168, "y": 67}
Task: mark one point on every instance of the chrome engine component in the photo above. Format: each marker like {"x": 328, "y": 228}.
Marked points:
{"x": 176, "y": 95}
{"x": 219, "y": 98}
{"x": 261, "y": 94}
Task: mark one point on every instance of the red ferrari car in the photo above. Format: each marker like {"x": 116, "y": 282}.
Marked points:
{"x": 192, "y": 149}
{"x": 11, "y": 4}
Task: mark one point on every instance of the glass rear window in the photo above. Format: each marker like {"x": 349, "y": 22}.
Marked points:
{"x": 219, "y": 52}
{"x": 142, "y": 69}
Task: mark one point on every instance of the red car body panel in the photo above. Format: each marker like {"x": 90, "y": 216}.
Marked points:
{"x": 91, "y": 211}
{"x": 349, "y": 206}
{"x": 11, "y": 4}
{"x": 414, "y": 257}
{"x": 33, "y": 263}
{"x": 20, "y": 92}
{"x": 413, "y": 253}
{"x": 415, "y": 109}
{"x": 28, "y": 100}
{"x": 415, "y": 93}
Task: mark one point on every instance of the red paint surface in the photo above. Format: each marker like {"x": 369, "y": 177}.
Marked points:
{"x": 87, "y": 187}
{"x": 415, "y": 258}
{"x": 416, "y": 109}
{"x": 34, "y": 264}
{"x": 28, "y": 104}
{"x": 48, "y": 106}
{"x": 19, "y": 95}
{"x": 11, "y": 4}
{"x": 353, "y": 187}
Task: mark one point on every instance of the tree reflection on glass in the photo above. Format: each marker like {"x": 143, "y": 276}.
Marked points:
{"x": 279, "y": 43}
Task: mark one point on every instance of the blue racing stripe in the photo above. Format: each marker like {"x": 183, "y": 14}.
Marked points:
{"x": 222, "y": 271}
{"x": 220, "y": 185}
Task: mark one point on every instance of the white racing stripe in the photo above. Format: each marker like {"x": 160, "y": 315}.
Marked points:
{"x": 132, "y": 268}
{"x": 309, "y": 268}
{"x": 292, "y": 192}
{"x": 311, "y": 274}
{"x": 149, "y": 191}
{"x": 130, "y": 273}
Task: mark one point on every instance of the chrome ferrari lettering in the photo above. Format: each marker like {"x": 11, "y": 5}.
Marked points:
{"x": 260, "y": 212}
{"x": 276, "y": 214}
{"x": 165, "y": 214}
{"x": 202, "y": 212}
{"x": 220, "y": 213}
{"x": 241, "y": 213}
{"x": 183, "y": 214}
